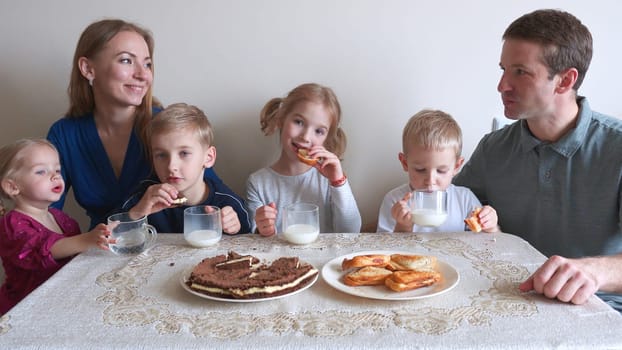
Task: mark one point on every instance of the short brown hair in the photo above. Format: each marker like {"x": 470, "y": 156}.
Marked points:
{"x": 565, "y": 41}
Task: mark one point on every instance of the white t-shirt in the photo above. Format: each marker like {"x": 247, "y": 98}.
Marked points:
{"x": 460, "y": 202}
{"x": 337, "y": 206}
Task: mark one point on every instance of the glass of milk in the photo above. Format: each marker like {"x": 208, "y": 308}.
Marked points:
{"x": 429, "y": 208}
{"x": 301, "y": 223}
{"x": 202, "y": 225}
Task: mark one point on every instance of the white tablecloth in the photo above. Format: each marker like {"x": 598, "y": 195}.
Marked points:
{"x": 100, "y": 300}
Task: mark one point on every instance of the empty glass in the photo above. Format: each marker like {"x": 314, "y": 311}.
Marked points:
{"x": 132, "y": 236}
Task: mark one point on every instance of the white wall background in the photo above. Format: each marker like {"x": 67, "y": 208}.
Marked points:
{"x": 385, "y": 60}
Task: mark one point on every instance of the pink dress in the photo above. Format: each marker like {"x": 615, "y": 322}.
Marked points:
{"x": 25, "y": 251}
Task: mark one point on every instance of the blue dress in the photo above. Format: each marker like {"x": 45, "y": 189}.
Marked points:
{"x": 85, "y": 167}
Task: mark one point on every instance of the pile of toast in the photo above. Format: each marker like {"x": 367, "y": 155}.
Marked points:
{"x": 399, "y": 272}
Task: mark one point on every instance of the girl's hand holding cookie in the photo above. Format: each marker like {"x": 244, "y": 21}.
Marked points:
{"x": 330, "y": 166}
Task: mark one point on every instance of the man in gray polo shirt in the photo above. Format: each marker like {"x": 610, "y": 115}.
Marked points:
{"x": 554, "y": 176}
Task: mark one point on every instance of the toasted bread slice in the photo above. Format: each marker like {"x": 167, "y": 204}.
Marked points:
{"x": 401, "y": 281}
{"x": 473, "y": 221}
{"x": 303, "y": 156}
{"x": 401, "y": 262}
{"x": 367, "y": 276}
{"x": 365, "y": 260}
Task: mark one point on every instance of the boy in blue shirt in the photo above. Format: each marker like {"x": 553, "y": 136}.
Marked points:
{"x": 180, "y": 147}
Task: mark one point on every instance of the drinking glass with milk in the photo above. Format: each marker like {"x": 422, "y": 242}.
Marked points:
{"x": 301, "y": 223}
{"x": 202, "y": 225}
{"x": 429, "y": 208}
{"x": 132, "y": 236}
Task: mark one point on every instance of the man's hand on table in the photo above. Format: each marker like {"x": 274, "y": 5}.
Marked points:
{"x": 575, "y": 280}
{"x": 565, "y": 279}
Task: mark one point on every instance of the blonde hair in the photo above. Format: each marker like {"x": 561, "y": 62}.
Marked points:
{"x": 273, "y": 114}
{"x": 432, "y": 129}
{"x": 180, "y": 116}
{"x": 12, "y": 159}
{"x": 92, "y": 41}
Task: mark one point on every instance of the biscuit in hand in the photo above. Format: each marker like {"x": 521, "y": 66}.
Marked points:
{"x": 180, "y": 201}
{"x": 473, "y": 221}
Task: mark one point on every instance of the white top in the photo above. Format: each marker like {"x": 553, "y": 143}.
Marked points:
{"x": 337, "y": 206}
{"x": 460, "y": 202}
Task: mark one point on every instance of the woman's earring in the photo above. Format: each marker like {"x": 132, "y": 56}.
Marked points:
{"x": 90, "y": 81}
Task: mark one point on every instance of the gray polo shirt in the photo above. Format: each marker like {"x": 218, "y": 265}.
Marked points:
{"x": 564, "y": 197}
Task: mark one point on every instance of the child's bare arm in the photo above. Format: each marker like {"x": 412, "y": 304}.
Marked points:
{"x": 97, "y": 237}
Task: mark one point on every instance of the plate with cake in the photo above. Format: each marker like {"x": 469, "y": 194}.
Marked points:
{"x": 390, "y": 275}
{"x": 245, "y": 278}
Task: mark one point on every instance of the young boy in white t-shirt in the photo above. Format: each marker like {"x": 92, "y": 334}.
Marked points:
{"x": 432, "y": 146}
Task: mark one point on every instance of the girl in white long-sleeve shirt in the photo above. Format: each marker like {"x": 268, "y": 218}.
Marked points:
{"x": 308, "y": 118}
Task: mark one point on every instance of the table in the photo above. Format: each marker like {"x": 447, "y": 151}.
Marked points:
{"x": 101, "y": 301}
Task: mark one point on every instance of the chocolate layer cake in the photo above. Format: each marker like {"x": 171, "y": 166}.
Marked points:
{"x": 237, "y": 276}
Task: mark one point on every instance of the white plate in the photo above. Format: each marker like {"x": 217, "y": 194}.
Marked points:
{"x": 186, "y": 274}
{"x": 333, "y": 274}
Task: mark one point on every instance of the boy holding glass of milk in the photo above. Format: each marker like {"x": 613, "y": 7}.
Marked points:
{"x": 431, "y": 155}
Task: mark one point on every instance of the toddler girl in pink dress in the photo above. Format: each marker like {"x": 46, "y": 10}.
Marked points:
{"x": 36, "y": 240}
